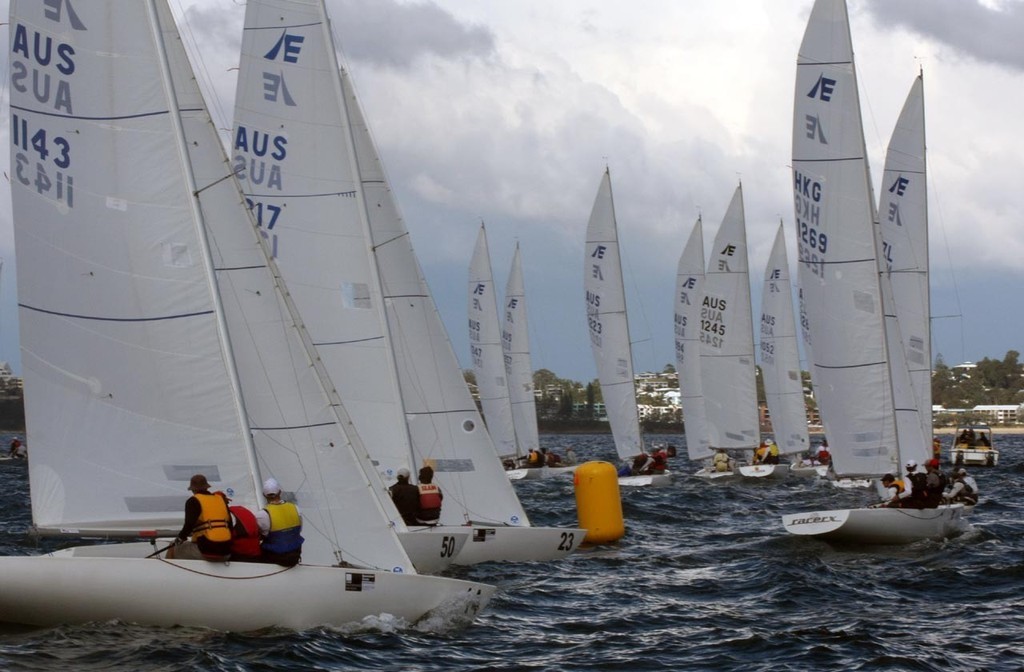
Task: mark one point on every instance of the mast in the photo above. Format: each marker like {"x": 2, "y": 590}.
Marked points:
{"x": 204, "y": 243}
{"x": 364, "y": 220}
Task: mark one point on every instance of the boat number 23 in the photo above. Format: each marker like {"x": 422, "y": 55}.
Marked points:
{"x": 566, "y": 542}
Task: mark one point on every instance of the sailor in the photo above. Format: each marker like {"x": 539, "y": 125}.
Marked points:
{"x": 429, "y": 512}
{"x": 963, "y": 490}
{"x": 406, "y": 497}
{"x": 245, "y": 535}
{"x": 894, "y": 489}
{"x": 281, "y": 525}
{"x": 721, "y": 460}
{"x": 914, "y": 495}
{"x": 17, "y": 448}
{"x": 935, "y": 484}
{"x": 824, "y": 457}
{"x": 659, "y": 461}
{"x": 773, "y": 452}
{"x": 570, "y": 456}
{"x": 535, "y": 459}
{"x": 642, "y": 464}
{"x": 936, "y": 448}
{"x": 761, "y": 454}
{"x": 207, "y": 520}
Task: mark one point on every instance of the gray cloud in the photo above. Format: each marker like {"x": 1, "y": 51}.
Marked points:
{"x": 393, "y": 34}
{"x": 967, "y": 26}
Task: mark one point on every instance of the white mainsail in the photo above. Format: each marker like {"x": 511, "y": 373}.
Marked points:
{"x": 485, "y": 344}
{"x": 131, "y": 327}
{"x": 838, "y": 267}
{"x": 608, "y": 323}
{"x": 689, "y": 296}
{"x": 859, "y": 372}
{"x": 728, "y": 376}
{"x": 380, "y": 337}
{"x": 780, "y": 354}
{"x": 515, "y": 340}
{"x": 128, "y": 388}
{"x": 903, "y": 215}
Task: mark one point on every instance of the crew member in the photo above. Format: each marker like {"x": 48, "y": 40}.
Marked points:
{"x": 208, "y": 521}
{"x": 429, "y": 512}
{"x": 281, "y": 525}
{"x": 406, "y": 497}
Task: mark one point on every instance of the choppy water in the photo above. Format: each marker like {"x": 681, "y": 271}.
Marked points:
{"x": 705, "y": 579}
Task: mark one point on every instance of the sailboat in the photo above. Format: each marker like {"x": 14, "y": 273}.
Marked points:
{"x": 728, "y": 376}
{"x": 515, "y": 341}
{"x": 157, "y": 342}
{"x": 903, "y": 217}
{"x": 689, "y": 297}
{"x": 493, "y": 358}
{"x": 609, "y": 333}
{"x": 312, "y": 175}
{"x": 486, "y": 351}
{"x": 780, "y": 359}
{"x": 862, "y": 383}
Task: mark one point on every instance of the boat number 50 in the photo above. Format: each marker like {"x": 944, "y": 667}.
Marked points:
{"x": 447, "y": 546}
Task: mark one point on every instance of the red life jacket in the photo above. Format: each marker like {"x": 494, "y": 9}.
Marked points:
{"x": 430, "y": 496}
{"x": 245, "y": 534}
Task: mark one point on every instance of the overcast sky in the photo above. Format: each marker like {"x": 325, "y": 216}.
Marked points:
{"x": 508, "y": 111}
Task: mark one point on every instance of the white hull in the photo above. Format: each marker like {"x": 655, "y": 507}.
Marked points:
{"x": 66, "y": 588}
{"x": 850, "y": 483}
{"x": 764, "y": 471}
{"x": 516, "y": 544}
{"x": 643, "y": 481}
{"x": 533, "y": 473}
{"x": 431, "y": 550}
{"x": 975, "y": 457}
{"x": 809, "y": 470}
{"x": 712, "y": 475}
{"x": 878, "y": 526}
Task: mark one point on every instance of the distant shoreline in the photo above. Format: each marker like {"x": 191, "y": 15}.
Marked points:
{"x": 595, "y": 427}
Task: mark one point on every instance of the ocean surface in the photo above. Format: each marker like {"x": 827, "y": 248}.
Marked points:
{"x": 705, "y": 579}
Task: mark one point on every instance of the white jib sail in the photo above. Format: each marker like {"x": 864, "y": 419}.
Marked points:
{"x": 780, "y": 354}
{"x": 515, "y": 340}
{"x": 486, "y": 349}
{"x": 903, "y": 214}
{"x": 728, "y": 376}
{"x": 608, "y": 323}
{"x": 689, "y": 296}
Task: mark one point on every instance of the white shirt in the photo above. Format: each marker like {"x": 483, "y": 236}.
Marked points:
{"x": 263, "y": 520}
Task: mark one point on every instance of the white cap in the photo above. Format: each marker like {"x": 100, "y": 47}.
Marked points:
{"x": 403, "y": 472}
{"x": 271, "y": 487}
{"x": 912, "y": 465}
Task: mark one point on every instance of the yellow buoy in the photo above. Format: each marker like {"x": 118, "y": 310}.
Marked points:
{"x": 598, "y": 503}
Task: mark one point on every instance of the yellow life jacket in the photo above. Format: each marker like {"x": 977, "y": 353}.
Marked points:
{"x": 283, "y": 515}
{"x": 214, "y": 520}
